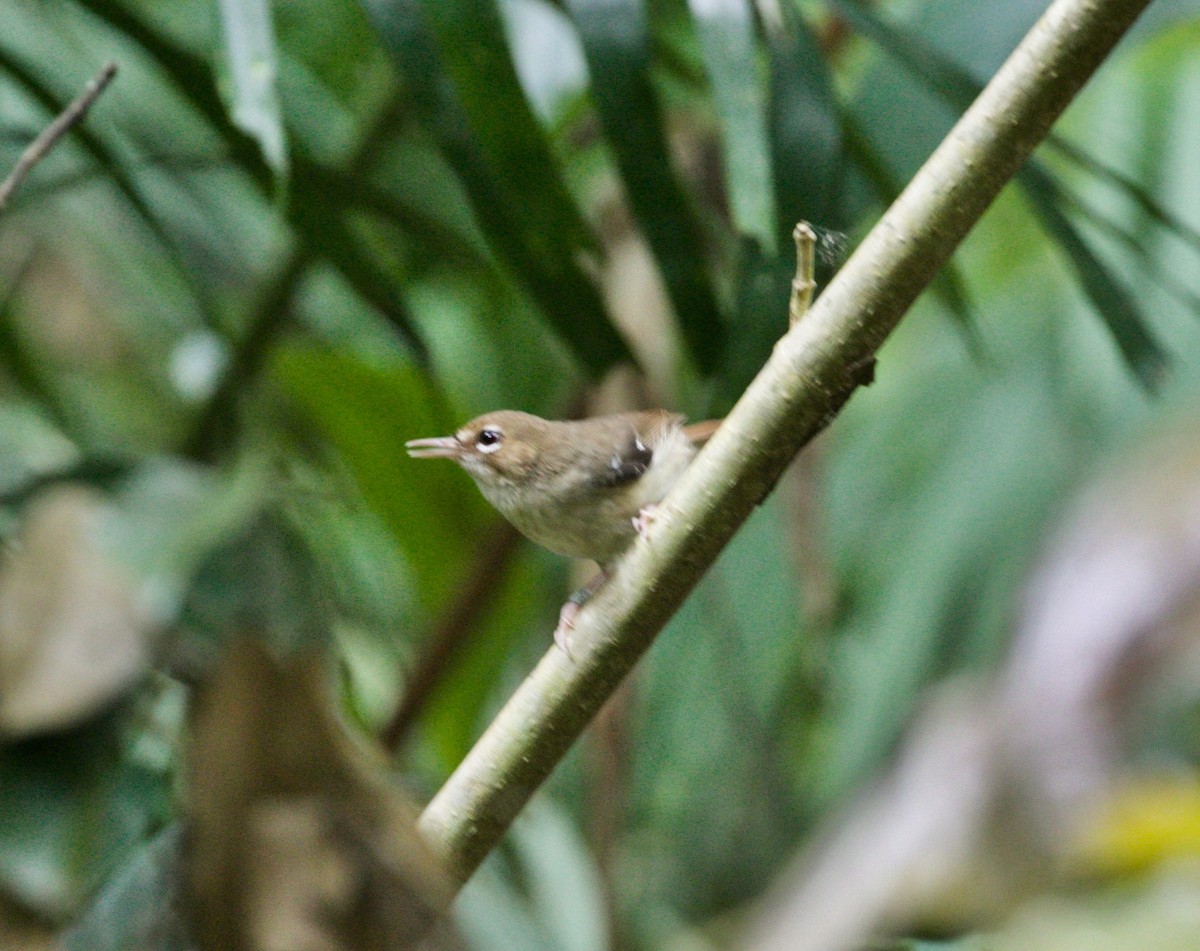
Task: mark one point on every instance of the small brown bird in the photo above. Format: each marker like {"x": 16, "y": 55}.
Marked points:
{"x": 584, "y": 489}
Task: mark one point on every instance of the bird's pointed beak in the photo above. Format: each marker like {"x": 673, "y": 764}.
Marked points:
{"x": 440, "y": 447}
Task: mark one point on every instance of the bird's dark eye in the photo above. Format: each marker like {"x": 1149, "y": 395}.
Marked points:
{"x": 488, "y": 440}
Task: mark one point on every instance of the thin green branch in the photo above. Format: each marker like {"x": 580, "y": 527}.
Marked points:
{"x": 811, "y": 373}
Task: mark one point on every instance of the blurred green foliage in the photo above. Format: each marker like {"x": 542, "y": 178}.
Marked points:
{"x": 492, "y": 203}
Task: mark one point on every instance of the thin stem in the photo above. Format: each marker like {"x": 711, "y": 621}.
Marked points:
{"x": 811, "y": 373}
{"x": 803, "y": 284}
{"x": 50, "y": 136}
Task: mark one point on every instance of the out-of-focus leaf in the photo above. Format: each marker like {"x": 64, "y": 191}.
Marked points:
{"x": 552, "y": 900}
{"x": 707, "y": 708}
{"x": 763, "y": 285}
{"x": 339, "y": 243}
{"x": 1116, "y": 306}
{"x": 21, "y": 931}
{"x": 435, "y": 233}
{"x": 140, "y": 909}
{"x": 251, "y": 54}
{"x": 806, "y": 138}
{"x": 974, "y": 469}
{"x": 957, "y": 87}
{"x": 1114, "y": 603}
{"x": 23, "y": 369}
{"x": 368, "y": 413}
{"x": 452, "y": 716}
{"x": 192, "y": 77}
{"x": 491, "y": 913}
{"x": 321, "y": 193}
{"x": 564, "y": 883}
{"x": 1137, "y": 248}
{"x": 474, "y": 53}
{"x": 942, "y": 74}
{"x": 115, "y": 169}
{"x": 72, "y": 632}
{"x": 73, "y": 808}
{"x": 1158, "y": 912}
{"x": 94, "y": 577}
{"x": 549, "y": 270}
{"x": 1146, "y": 822}
{"x": 949, "y": 284}
{"x": 728, "y": 38}
{"x": 1038, "y": 754}
{"x": 297, "y": 836}
{"x": 1132, "y": 189}
{"x": 616, "y": 43}
{"x": 29, "y": 448}
{"x": 174, "y": 514}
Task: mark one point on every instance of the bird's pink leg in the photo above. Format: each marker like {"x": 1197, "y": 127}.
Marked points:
{"x": 645, "y": 518}
{"x": 570, "y": 611}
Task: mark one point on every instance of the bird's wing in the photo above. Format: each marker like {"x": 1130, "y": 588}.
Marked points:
{"x": 628, "y": 463}
{"x": 635, "y": 452}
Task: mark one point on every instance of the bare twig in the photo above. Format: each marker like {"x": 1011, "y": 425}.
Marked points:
{"x": 812, "y": 372}
{"x": 803, "y": 284}
{"x": 40, "y": 147}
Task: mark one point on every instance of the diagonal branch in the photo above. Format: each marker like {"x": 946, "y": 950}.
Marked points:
{"x": 810, "y": 375}
{"x": 49, "y": 137}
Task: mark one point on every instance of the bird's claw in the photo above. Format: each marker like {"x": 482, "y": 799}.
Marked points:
{"x": 644, "y": 519}
{"x": 566, "y": 624}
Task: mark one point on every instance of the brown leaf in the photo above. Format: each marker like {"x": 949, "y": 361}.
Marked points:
{"x": 71, "y": 634}
{"x": 298, "y": 842}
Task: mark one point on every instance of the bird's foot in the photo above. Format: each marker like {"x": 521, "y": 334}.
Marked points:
{"x": 644, "y": 519}
{"x": 566, "y": 624}
{"x": 570, "y": 611}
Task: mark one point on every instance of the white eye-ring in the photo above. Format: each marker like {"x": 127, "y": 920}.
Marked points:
{"x": 489, "y": 440}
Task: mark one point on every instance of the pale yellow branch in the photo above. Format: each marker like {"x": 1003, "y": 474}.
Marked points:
{"x": 804, "y": 283}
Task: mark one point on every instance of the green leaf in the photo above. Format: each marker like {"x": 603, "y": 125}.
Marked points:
{"x": 729, "y": 43}
{"x": 73, "y": 808}
{"x": 1114, "y": 302}
{"x": 432, "y": 231}
{"x": 972, "y": 467}
{"x": 1134, "y": 243}
{"x": 505, "y": 196}
{"x": 368, "y": 413}
{"x": 806, "y": 138}
{"x": 949, "y": 285}
{"x": 30, "y": 447}
{"x": 564, "y": 884}
{"x": 331, "y": 237}
{"x": 943, "y": 75}
{"x": 474, "y": 52}
{"x": 760, "y": 316}
{"x": 98, "y": 150}
{"x": 140, "y": 909}
{"x": 192, "y": 78}
{"x": 616, "y": 43}
{"x": 958, "y": 88}
{"x": 253, "y": 63}
{"x": 454, "y": 714}
{"x": 26, "y": 372}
